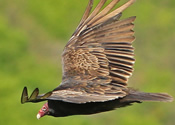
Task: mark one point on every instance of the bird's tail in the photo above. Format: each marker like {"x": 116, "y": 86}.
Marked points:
{"x": 142, "y": 96}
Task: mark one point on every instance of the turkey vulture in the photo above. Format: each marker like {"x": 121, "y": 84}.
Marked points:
{"x": 97, "y": 62}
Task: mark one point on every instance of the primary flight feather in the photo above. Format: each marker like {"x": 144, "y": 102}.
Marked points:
{"x": 97, "y": 62}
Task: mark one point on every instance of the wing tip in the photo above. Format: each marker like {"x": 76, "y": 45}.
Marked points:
{"x": 34, "y": 97}
{"x": 46, "y": 95}
{"x": 24, "y": 96}
{"x": 34, "y": 94}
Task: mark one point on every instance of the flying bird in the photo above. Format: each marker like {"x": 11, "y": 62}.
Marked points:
{"x": 97, "y": 62}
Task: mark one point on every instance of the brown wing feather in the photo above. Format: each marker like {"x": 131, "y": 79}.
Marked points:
{"x": 107, "y": 52}
{"x": 98, "y": 59}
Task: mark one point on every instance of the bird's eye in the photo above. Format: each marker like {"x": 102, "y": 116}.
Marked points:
{"x": 44, "y": 109}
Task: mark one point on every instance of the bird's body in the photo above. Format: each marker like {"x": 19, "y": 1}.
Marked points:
{"x": 62, "y": 108}
{"x": 97, "y": 62}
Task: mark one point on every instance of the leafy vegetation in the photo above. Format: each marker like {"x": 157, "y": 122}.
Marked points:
{"x": 33, "y": 35}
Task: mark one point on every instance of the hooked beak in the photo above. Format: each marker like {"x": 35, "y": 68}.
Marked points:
{"x": 38, "y": 116}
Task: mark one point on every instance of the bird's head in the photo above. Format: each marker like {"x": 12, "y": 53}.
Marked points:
{"x": 43, "y": 111}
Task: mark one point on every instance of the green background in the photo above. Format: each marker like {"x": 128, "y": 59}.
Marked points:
{"x": 33, "y": 34}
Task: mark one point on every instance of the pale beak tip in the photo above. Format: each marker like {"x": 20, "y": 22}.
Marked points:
{"x": 38, "y": 116}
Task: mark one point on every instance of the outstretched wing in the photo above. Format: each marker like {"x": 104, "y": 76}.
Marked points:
{"x": 98, "y": 59}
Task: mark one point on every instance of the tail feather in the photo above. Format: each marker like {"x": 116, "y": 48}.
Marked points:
{"x": 142, "y": 96}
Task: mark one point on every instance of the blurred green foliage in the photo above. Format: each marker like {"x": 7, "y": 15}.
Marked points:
{"x": 33, "y": 34}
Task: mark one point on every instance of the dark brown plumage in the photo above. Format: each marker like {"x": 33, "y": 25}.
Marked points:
{"x": 97, "y": 62}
